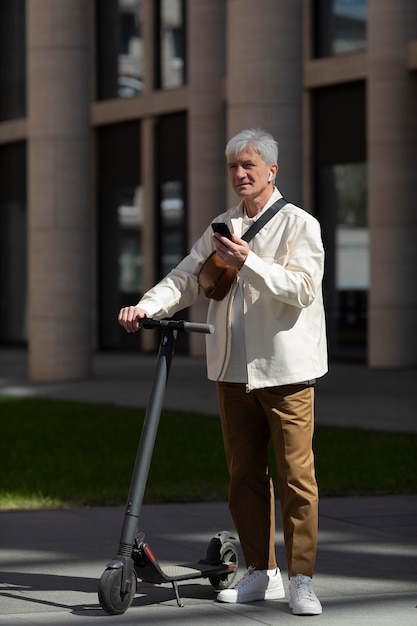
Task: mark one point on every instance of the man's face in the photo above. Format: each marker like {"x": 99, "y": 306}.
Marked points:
{"x": 248, "y": 174}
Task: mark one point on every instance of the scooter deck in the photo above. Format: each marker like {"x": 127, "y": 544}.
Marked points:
{"x": 148, "y": 569}
{"x": 185, "y": 571}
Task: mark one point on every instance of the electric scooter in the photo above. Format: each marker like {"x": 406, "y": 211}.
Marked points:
{"x": 135, "y": 559}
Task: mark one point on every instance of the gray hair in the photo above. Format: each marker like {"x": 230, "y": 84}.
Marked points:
{"x": 261, "y": 141}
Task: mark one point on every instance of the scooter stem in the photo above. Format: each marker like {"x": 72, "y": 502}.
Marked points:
{"x": 147, "y": 441}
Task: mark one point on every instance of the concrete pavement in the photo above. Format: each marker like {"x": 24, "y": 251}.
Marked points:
{"x": 51, "y": 562}
{"x": 366, "y": 573}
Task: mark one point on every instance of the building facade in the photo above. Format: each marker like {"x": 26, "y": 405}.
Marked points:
{"x": 114, "y": 115}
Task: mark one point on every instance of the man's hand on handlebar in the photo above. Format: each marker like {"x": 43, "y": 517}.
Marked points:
{"x": 130, "y": 316}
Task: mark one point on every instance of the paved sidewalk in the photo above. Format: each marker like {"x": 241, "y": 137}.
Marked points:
{"x": 51, "y": 561}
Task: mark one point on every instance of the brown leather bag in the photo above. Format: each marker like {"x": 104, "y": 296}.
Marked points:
{"x": 215, "y": 277}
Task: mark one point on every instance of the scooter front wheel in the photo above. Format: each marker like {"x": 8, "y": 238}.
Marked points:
{"x": 109, "y": 591}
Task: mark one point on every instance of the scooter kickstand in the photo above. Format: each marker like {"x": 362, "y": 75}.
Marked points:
{"x": 177, "y": 595}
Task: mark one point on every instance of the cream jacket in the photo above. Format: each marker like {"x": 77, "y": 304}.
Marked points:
{"x": 284, "y": 323}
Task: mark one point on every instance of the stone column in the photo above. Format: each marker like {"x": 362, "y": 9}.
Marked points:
{"x": 392, "y": 158}
{"x": 59, "y": 195}
{"x": 264, "y": 79}
{"x": 206, "y": 127}
{"x": 149, "y": 341}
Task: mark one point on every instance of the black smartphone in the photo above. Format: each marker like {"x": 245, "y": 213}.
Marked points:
{"x": 222, "y": 229}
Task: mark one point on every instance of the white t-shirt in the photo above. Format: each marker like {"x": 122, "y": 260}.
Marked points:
{"x": 236, "y": 369}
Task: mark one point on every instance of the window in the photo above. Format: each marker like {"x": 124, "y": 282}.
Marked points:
{"x": 172, "y": 218}
{"x": 120, "y": 216}
{"x": 171, "y": 193}
{"x": 171, "y": 171}
{"x": 13, "y": 244}
{"x": 352, "y": 235}
{"x": 171, "y": 41}
{"x": 120, "y": 48}
{"x": 340, "y": 26}
{"x": 341, "y": 200}
{"x": 352, "y": 279}
{"x": 12, "y": 59}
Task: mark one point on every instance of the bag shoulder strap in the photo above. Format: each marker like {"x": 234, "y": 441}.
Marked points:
{"x": 260, "y": 223}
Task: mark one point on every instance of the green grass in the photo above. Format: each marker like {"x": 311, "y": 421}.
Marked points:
{"x": 59, "y": 454}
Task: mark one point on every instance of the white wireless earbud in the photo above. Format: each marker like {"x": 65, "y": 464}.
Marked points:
{"x": 270, "y": 177}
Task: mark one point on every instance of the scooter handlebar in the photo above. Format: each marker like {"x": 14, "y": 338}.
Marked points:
{"x": 180, "y": 325}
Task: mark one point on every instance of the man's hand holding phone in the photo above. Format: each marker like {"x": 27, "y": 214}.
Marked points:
{"x": 234, "y": 255}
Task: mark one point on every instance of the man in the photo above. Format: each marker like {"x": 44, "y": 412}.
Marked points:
{"x": 268, "y": 348}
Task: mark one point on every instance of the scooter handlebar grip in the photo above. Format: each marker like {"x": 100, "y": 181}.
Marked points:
{"x": 181, "y": 325}
{"x": 192, "y": 327}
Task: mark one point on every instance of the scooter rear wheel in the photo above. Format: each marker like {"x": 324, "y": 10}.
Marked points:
{"x": 109, "y": 595}
{"x": 228, "y": 554}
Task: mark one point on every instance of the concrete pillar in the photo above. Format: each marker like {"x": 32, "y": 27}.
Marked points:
{"x": 149, "y": 340}
{"x": 392, "y": 158}
{"x": 206, "y": 127}
{"x": 59, "y": 195}
{"x": 264, "y": 79}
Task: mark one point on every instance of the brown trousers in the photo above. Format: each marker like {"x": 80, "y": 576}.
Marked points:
{"x": 249, "y": 421}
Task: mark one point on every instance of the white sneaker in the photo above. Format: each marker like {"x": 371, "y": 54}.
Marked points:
{"x": 255, "y": 585}
{"x": 303, "y": 600}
